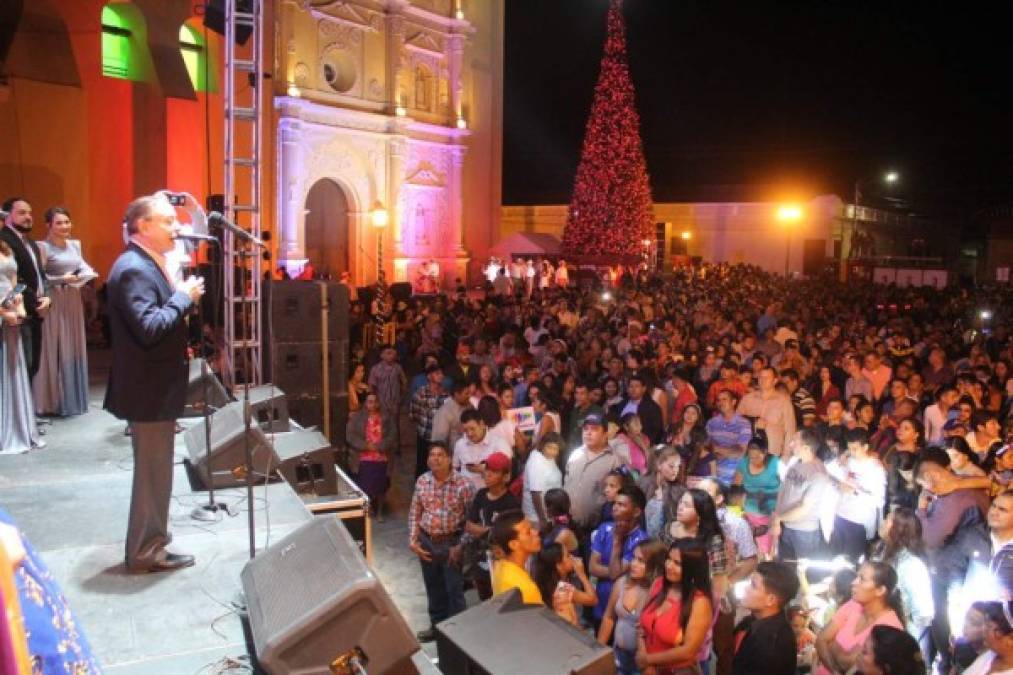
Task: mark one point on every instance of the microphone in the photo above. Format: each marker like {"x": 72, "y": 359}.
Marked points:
{"x": 216, "y": 218}
{"x": 3, "y": 215}
{"x": 196, "y": 237}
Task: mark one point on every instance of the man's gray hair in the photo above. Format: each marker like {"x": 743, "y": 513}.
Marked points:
{"x": 140, "y": 208}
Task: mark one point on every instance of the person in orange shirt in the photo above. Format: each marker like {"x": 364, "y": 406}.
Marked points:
{"x": 729, "y": 381}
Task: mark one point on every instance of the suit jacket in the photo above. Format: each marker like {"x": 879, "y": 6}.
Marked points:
{"x": 26, "y": 268}
{"x": 355, "y": 435}
{"x": 148, "y": 379}
{"x": 650, "y": 417}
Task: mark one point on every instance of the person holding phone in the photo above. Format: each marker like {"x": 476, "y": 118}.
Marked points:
{"x": 18, "y": 432}
{"x": 61, "y": 386}
{"x": 147, "y": 304}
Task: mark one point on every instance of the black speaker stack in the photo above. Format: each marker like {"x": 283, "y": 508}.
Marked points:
{"x": 304, "y": 321}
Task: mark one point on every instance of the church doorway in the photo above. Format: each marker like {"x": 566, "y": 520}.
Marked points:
{"x": 327, "y": 228}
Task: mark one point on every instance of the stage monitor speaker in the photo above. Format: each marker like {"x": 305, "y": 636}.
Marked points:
{"x": 214, "y": 18}
{"x": 307, "y": 461}
{"x": 195, "y": 390}
{"x": 312, "y": 600}
{"x": 228, "y": 454}
{"x": 503, "y": 635}
{"x": 269, "y": 408}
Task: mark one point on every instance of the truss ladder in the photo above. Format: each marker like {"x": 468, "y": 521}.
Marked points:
{"x": 243, "y": 93}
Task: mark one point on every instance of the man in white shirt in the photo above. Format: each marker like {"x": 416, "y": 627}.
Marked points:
{"x": 861, "y": 482}
{"x": 477, "y": 443}
{"x": 937, "y": 414}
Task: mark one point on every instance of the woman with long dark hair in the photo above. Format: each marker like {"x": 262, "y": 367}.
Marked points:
{"x": 874, "y": 601}
{"x": 626, "y": 602}
{"x": 61, "y": 385}
{"x": 562, "y": 578}
{"x": 676, "y": 620}
{"x": 890, "y": 651}
{"x": 901, "y": 546}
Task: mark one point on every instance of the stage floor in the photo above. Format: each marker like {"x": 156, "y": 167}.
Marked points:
{"x": 71, "y": 500}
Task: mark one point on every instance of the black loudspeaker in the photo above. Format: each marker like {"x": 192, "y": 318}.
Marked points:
{"x": 214, "y": 18}
{"x": 292, "y": 311}
{"x": 503, "y": 635}
{"x": 308, "y": 410}
{"x": 307, "y": 461}
{"x": 401, "y": 291}
{"x": 228, "y": 454}
{"x": 195, "y": 390}
{"x": 312, "y": 601}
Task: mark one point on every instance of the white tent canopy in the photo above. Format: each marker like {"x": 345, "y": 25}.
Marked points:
{"x": 527, "y": 244}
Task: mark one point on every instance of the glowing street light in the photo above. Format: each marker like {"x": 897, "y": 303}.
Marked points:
{"x": 686, "y": 235}
{"x": 379, "y": 216}
{"x": 891, "y": 177}
{"x": 788, "y": 214}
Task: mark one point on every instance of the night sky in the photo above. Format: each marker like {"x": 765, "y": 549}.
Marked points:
{"x": 772, "y": 100}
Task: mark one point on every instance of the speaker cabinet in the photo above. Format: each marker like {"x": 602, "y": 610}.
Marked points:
{"x": 503, "y": 635}
{"x": 228, "y": 453}
{"x": 307, "y": 461}
{"x": 312, "y": 599}
{"x": 200, "y": 384}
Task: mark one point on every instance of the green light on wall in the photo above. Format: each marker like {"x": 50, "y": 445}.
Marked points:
{"x": 194, "y": 50}
{"x": 119, "y": 31}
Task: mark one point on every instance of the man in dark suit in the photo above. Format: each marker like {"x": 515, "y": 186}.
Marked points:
{"x": 147, "y": 383}
{"x": 639, "y": 402}
{"x": 17, "y": 225}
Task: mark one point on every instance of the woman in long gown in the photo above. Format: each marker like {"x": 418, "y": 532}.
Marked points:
{"x": 61, "y": 386}
{"x": 18, "y": 432}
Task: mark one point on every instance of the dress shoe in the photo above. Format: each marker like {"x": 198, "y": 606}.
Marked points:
{"x": 171, "y": 561}
{"x": 427, "y": 635}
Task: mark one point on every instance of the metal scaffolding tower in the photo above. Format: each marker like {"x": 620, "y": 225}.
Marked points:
{"x": 244, "y": 80}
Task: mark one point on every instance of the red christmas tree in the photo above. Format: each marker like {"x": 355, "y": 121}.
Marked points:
{"x": 610, "y": 211}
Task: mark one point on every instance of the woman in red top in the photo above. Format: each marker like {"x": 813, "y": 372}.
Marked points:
{"x": 677, "y": 617}
{"x": 370, "y": 440}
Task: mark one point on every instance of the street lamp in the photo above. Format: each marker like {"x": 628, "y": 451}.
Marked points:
{"x": 788, "y": 214}
{"x": 379, "y": 218}
{"x": 686, "y": 235}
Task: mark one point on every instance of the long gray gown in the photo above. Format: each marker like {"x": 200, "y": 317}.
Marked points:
{"x": 61, "y": 385}
{"x": 18, "y": 432}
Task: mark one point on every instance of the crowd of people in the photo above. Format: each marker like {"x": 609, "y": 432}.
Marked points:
{"x": 714, "y": 469}
{"x": 44, "y": 352}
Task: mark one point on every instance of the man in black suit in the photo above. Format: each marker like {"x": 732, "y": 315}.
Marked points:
{"x": 639, "y": 402}
{"x": 147, "y": 383}
{"x": 17, "y": 225}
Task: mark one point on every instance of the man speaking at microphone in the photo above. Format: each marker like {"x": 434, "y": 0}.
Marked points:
{"x": 147, "y": 383}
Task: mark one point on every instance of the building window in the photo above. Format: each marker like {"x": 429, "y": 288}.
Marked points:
{"x": 122, "y": 31}
{"x": 423, "y": 89}
{"x": 193, "y": 48}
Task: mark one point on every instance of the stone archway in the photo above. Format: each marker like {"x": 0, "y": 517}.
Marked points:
{"x": 326, "y": 233}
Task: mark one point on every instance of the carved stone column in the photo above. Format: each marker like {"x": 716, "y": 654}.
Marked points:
{"x": 397, "y": 150}
{"x": 395, "y": 41}
{"x": 290, "y": 206}
{"x": 455, "y": 196}
{"x": 455, "y": 56}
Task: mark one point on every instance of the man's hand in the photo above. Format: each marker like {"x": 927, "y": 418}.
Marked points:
{"x": 620, "y": 531}
{"x": 10, "y": 540}
{"x": 42, "y": 306}
{"x": 454, "y": 555}
{"x": 422, "y": 553}
{"x": 192, "y": 286}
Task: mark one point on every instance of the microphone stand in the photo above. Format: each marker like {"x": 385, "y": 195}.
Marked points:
{"x": 206, "y": 511}
{"x": 247, "y": 450}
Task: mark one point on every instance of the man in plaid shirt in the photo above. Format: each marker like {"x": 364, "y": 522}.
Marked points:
{"x": 435, "y": 523}
{"x": 424, "y": 405}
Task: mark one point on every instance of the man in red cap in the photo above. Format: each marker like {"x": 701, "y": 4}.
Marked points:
{"x": 489, "y": 502}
